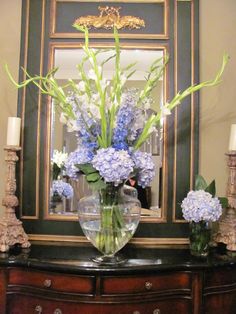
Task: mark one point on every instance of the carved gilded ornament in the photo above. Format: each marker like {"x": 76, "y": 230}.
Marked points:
{"x": 110, "y": 17}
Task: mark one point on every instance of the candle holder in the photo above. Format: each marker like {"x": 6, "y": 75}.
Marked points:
{"x": 227, "y": 225}
{"x": 11, "y": 229}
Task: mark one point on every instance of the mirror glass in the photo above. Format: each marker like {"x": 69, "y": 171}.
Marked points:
{"x": 64, "y": 142}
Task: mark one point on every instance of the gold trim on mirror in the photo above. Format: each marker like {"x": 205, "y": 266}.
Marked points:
{"x": 151, "y": 46}
{"x": 55, "y": 34}
{"x": 108, "y": 18}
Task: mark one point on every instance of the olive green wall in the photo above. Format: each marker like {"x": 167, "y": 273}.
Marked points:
{"x": 218, "y": 108}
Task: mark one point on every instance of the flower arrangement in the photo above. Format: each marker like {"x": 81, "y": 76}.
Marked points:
{"x": 200, "y": 208}
{"x": 202, "y": 204}
{"x": 110, "y": 121}
{"x": 111, "y": 124}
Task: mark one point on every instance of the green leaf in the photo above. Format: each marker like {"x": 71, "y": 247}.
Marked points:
{"x": 97, "y": 185}
{"x": 55, "y": 171}
{"x": 86, "y": 168}
{"x": 92, "y": 177}
{"x": 211, "y": 188}
{"x": 200, "y": 183}
{"x": 223, "y": 201}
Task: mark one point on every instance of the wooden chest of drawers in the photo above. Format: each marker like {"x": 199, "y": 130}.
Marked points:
{"x": 175, "y": 285}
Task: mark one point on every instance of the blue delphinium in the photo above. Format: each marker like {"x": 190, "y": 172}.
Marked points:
{"x": 145, "y": 167}
{"x": 114, "y": 166}
{"x": 81, "y": 156}
{"x": 62, "y": 189}
{"x": 126, "y": 116}
{"x": 201, "y": 206}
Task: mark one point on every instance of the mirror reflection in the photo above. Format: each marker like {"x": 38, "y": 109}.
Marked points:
{"x": 64, "y": 140}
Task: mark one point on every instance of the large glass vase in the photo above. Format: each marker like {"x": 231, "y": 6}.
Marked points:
{"x": 109, "y": 218}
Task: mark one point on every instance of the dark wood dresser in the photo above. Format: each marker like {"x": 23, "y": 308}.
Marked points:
{"x": 52, "y": 279}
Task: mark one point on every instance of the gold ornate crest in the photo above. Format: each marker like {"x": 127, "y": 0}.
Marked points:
{"x": 110, "y": 17}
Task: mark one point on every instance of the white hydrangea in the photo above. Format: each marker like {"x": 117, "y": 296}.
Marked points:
{"x": 200, "y": 205}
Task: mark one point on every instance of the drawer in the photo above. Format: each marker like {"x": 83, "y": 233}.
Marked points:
{"x": 52, "y": 281}
{"x": 220, "y": 303}
{"x": 220, "y": 277}
{"x": 22, "y": 304}
{"x": 140, "y": 284}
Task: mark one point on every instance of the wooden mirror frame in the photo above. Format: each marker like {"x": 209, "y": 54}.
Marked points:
{"x": 177, "y": 30}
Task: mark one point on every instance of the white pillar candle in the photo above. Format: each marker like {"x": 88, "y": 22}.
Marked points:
{"x": 232, "y": 139}
{"x": 13, "y": 131}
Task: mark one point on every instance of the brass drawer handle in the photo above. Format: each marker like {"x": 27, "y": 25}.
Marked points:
{"x": 148, "y": 285}
{"x": 47, "y": 283}
{"x": 157, "y": 311}
{"x": 57, "y": 311}
{"x": 38, "y": 309}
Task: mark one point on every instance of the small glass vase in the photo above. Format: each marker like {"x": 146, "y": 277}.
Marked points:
{"x": 200, "y": 236}
{"x": 109, "y": 218}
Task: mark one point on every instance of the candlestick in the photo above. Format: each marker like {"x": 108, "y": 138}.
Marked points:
{"x": 13, "y": 131}
{"x": 227, "y": 224}
{"x": 232, "y": 139}
{"x": 11, "y": 230}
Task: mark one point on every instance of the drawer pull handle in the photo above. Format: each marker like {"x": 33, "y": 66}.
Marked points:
{"x": 157, "y": 311}
{"x": 47, "y": 283}
{"x": 136, "y": 312}
{"x": 38, "y": 309}
{"x": 57, "y": 311}
{"x": 148, "y": 285}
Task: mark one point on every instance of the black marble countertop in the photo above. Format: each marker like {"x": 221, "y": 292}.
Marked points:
{"x": 77, "y": 259}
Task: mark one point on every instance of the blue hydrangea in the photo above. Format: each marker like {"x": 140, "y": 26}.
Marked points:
{"x": 114, "y": 166}
{"x": 61, "y": 188}
{"x": 145, "y": 167}
{"x": 200, "y": 205}
{"x": 81, "y": 156}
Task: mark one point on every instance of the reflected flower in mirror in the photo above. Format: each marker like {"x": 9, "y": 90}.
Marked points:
{"x": 60, "y": 189}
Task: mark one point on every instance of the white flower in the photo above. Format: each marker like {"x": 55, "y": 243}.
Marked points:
{"x": 104, "y": 83}
{"x": 81, "y": 86}
{"x": 95, "y": 112}
{"x": 71, "y": 125}
{"x": 165, "y": 111}
{"x": 92, "y": 74}
{"x": 59, "y": 158}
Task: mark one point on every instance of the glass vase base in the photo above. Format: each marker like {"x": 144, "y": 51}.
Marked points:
{"x": 199, "y": 254}
{"x": 109, "y": 260}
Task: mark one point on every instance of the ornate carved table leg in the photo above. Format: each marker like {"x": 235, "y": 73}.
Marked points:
{"x": 227, "y": 225}
{"x": 11, "y": 229}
